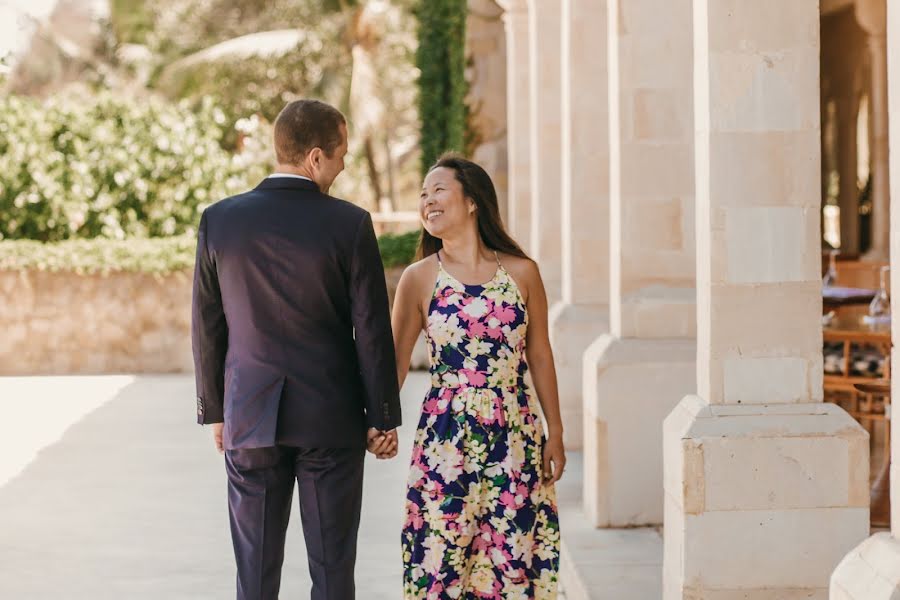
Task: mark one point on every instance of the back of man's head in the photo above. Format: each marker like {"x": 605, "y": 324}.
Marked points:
{"x": 306, "y": 124}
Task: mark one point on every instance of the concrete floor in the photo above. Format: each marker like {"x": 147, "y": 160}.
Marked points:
{"x": 109, "y": 490}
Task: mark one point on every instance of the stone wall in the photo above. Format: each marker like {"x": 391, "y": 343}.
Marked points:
{"x": 65, "y": 323}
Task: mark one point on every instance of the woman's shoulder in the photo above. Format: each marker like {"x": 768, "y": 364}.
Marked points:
{"x": 421, "y": 270}
{"x": 519, "y": 267}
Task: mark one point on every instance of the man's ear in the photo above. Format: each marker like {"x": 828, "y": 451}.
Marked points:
{"x": 315, "y": 157}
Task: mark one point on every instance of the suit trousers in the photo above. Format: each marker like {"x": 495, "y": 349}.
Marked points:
{"x": 260, "y": 490}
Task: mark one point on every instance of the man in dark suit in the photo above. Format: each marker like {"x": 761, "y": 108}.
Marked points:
{"x": 294, "y": 356}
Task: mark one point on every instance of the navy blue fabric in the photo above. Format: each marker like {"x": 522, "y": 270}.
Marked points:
{"x": 290, "y": 323}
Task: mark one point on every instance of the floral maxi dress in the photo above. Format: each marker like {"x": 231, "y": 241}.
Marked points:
{"x": 480, "y": 523}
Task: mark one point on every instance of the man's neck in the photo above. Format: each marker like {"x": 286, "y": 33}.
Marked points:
{"x": 300, "y": 171}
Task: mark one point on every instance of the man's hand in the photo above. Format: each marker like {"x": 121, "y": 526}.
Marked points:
{"x": 217, "y": 436}
{"x": 383, "y": 444}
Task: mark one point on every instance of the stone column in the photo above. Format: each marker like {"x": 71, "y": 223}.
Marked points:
{"x": 766, "y": 485}
{"x": 871, "y": 571}
{"x": 848, "y": 197}
{"x": 545, "y": 31}
{"x": 583, "y": 312}
{"x": 637, "y": 373}
{"x": 871, "y": 15}
{"x": 518, "y": 119}
{"x": 486, "y": 76}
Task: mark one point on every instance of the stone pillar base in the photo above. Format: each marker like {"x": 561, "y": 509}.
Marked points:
{"x": 573, "y": 327}
{"x": 762, "y": 501}
{"x": 870, "y": 572}
{"x": 630, "y": 385}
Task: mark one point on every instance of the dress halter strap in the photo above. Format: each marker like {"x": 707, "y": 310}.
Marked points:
{"x": 497, "y": 256}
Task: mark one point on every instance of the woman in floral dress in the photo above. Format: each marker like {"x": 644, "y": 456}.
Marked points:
{"x": 481, "y": 517}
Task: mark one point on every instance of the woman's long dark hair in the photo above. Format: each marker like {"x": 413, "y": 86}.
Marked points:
{"x": 477, "y": 185}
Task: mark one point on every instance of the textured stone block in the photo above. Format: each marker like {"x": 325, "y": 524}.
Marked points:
{"x": 572, "y": 329}
{"x": 636, "y": 383}
{"x": 782, "y": 487}
{"x": 765, "y": 244}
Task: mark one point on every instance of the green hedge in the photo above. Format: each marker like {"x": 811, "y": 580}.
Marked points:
{"x": 111, "y": 166}
{"x": 157, "y": 255}
{"x": 441, "y": 60}
{"x": 398, "y": 250}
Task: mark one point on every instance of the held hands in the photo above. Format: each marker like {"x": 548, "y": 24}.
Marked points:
{"x": 554, "y": 459}
{"x": 383, "y": 444}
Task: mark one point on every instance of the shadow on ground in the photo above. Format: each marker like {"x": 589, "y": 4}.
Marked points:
{"x": 130, "y": 504}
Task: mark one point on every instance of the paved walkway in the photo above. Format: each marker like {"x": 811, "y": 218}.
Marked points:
{"x": 109, "y": 490}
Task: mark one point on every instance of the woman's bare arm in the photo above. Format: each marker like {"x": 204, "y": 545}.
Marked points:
{"x": 539, "y": 355}
{"x": 406, "y": 319}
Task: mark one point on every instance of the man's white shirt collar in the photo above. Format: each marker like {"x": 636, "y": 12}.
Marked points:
{"x": 288, "y": 175}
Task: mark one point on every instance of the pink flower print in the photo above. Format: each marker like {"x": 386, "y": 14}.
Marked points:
{"x": 437, "y": 489}
{"x": 414, "y": 517}
{"x": 515, "y": 575}
{"x": 498, "y": 539}
{"x": 510, "y": 501}
{"x": 499, "y": 417}
{"x": 494, "y": 332}
{"x": 474, "y": 309}
{"x": 500, "y": 557}
{"x": 475, "y": 378}
{"x": 494, "y": 594}
{"x": 483, "y": 541}
{"x": 435, "y": 406}
{"x": 477, "y": 329}
{"x": 494, "y": 328}
{"x": 505, "y": 314}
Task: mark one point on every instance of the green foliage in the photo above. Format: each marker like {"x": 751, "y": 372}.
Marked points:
{"x": 442, "y": 85}
{"x": 131, "y": 20}
{"x": 249, "y": 75}
{"x": 153, "y": 255}
{"x": 111, "y": 166}
{"x": 158, "y": 255}
{"x": 398, "y": 250}
{"x": 262, "y": 85}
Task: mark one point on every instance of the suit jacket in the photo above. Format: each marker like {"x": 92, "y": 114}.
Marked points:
{"x": 291, "y": 329}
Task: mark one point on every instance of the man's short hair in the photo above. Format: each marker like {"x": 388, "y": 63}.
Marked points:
{"x": 306, "y": 124}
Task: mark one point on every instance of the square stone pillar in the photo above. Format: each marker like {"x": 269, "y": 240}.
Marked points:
{"x": 583, "y": 313}
{"x": 545, "y": 32}
{"x": 871, "y": 571}
{"x": 634, "y": 376}
{"x": 766, "y": 485}
{"x": 518, "y": 118}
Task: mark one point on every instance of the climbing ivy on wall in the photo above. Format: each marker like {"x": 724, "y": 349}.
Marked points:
{"x": 441, "y": 60}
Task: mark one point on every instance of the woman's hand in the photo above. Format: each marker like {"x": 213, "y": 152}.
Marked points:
{"x": 554, "y": 459}
{"x": 383, "y": 444}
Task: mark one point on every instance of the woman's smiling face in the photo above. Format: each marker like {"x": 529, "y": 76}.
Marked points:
{"x": 442, "y": 204}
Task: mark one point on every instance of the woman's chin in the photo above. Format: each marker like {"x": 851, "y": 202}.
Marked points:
{"x": 433, "y": 229}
